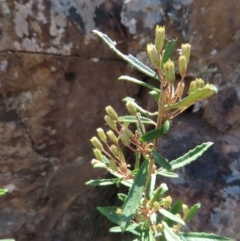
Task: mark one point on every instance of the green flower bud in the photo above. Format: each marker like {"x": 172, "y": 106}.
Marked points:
{"x": 192, "y": 87}
{"x": 112, "y": 137}
{"x": 102, "y": 135}
{"x": 156, "y": 206}
{"x": 96, "y": 143}
{"x": 110, "y": 122}
{"x": 111, "y": 112}
{"x": 159, "y": 227}
{"x": 186, "y": 50}
{"x": 199, "y": 83}
{"x": 115, "y": 151}
{"x": 182, "y": 65}
{"x": 131, "y": 108}
{"x": 112, "y": 165}
{"x": 153, "y": 55}
{"x": 159, "y": 37}
{"x": 180, "y": 89}
{"x": 98, "y": 154}
{"x": 169, "y": 70}
{"x": 119, "y": 211}
{"x": 167, "y": 202}
{"x": 185, "y": 209}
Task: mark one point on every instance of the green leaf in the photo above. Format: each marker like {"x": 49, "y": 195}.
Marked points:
{"x": 158, "y": 193}
{"x": 168, "y": 51}
{"x": 103, "y": 182}
{"x": 132, "y": 228}
{"x": 203, "y": 237}
{"x": 176, "y": 208}
{"x": 7, "y": 239}
{"x": 171, "y": 216}
{"x": 150, "y": 186}
{"x": 133, "y": 119}
{"x": 155, "y": 95}
{"x": 128, "y": 58}
{"x": 139, "y": 108}
{"x": 166, "y": 173}
{"x": 200, "y": 94}
{"x": 139, "y": 82}
{"x": 122, "y": 197}
{"x": 169, "y": 234}
{"x": 190, "y": 156}
{"x": 3, "y": 191}
{"x": 162, "y": 161}
{"x": 192, "y": 211}
{"x": 151, "y": 135}
{"x": 134, "y": 196}
{"x": 110, "y": 213}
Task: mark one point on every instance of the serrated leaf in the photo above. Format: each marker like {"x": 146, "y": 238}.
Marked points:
{"x": 200, "y": 94}
{"x": 168, "y": 51}
{"x": 128, "y": 58}
{"x": 134, "y": 196}
{"x": 166, "y": 173}
{"x": 133, "y": 119}
{"x": 151, "y": 135}
{"x": 192, "y": 211}
{"x": 3, "y": 191}
{"x": 102, "y": 182}
{"x": 171, "y": 216}
{"x": 110, "y": 213}
{"x": 132, "y": 228}
{"x": 162, "y": 161}
{"x": 139, "y": 82}
{"x": 203, "y": 237}
{"x": 169, "y": 234}
{"x": 139, "y": 108}
{"x": 190, "y": 156}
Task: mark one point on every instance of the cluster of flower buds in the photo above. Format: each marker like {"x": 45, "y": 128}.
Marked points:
{"x": 195, "y": 85}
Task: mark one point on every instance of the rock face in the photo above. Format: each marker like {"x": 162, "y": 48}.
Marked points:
{"x": 55, "y": 81}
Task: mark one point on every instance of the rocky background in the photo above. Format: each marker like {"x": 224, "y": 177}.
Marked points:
{"x": 55, "y": 80}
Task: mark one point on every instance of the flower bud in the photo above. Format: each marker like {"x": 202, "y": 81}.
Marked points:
{"x": 186, "y": 50}
{"x": 96, "y": 143}
{"x": 180, "y": 89}
{"x": 112, "y": 165}
{"x": 167, "y": 202}
{"x": 159, "y": 228}
{"x": 110, "y": 122}
{"x": 169, "y": 71}
{"x": 159, "y": 37}
{"x": 119, "y": 211}
{"x": 185, "y": 210}
{"x": 156, "y": 206}
{"x": 192, "y": 87}
{"x": 101, "y": 134}
{"x": 98, "y": 154}
{"x": 182, "y": 65}
{"x": 112, "y": 137}
{"x": 125, "y": 136}
{"x": 115, "y": 151}
{"x": 111, "y": 113}
{"x": 131, "y": 108}
{"x": 153, "y": 55}
{"x": 199, "y": 83}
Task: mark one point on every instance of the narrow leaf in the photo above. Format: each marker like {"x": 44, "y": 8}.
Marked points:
{"x": 176, "y": 208}
{"x": 190, "y": 156}
{"x": 134, "y": 196}
{"x": 171, "y": 216}
{"x": 165, "y": 173}
{"x": 155, "y": 95}
{"x": 128, "y": 58}
{"x": 102, "y": 182}
{"x": 132, "y": 228}
{"x": 163, "y": 162}
{"x": 168, "y": 51}
{"x": 151, "y": 135}
{"x": 3, "y": 191}
{"x": 139, "y": 82}
{"x": 201, "y": 94}
{"x": 139, "y": 108}
{"x": 192, "y": 211}
{"x": 203, "y": 237}
{"x": 169, "y": 234}
{"x": 157, "y": 194}
{"x": 150, "y": 186}
{"x": 122, "y": 197}
{"x": 110, "y": 213}
{"x": 133, "y": 119}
